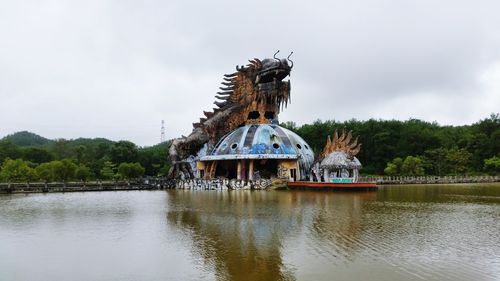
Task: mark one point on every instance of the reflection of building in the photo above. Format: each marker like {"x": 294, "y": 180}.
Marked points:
{"x": 250, "y": 235}
{"x": 235, "y": 233}
{"x": 263, "y": 150}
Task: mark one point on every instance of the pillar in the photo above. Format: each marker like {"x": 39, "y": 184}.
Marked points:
{"x": 250, "y": 169}
{"x": 244, "y": 170}
{"x": 238, "y": 170}
{"x": 326, "y": 175}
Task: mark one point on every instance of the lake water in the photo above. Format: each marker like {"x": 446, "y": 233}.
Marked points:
{"x": 427, "y": 232}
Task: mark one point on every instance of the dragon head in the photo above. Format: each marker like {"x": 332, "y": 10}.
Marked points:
{"x": 274, "y": 69}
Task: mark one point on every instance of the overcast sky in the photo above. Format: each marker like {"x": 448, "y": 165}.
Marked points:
{"x": 115, "y": 69}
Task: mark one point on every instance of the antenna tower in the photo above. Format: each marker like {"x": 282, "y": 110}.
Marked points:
{"x": 162, "y": 138}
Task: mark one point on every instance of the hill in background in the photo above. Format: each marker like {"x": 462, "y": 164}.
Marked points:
{"x": 25, "y": 138}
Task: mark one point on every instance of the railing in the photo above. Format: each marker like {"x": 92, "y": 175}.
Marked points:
{"x": 151, "y": 183}
{"x": 429, "y": 179}
{"x": 73, "y": 186}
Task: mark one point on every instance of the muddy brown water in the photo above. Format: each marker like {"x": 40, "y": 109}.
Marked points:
{"x": 425, "y": 232}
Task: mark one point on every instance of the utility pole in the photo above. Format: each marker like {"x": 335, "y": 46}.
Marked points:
{"x": 162, "y": 138}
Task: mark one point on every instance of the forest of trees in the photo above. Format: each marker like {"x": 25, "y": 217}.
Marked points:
{"x": 25, "y": 156}
{"x": 390, "y": 147}
{"x": 416, "y": 147}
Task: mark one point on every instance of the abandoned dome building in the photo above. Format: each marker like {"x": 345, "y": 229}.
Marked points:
{"x": 265, "y": 150}
{"x": 241, "y": 138}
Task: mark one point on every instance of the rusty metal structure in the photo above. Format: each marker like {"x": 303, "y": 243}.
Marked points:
{"x": 243, "y": 125}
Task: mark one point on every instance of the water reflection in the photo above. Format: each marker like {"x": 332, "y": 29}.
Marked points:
{"x": 397, "y": 233}
{"x": 241, "y": 234}
{"x": 381, "y": 235}
{"x": 238, "y": 233}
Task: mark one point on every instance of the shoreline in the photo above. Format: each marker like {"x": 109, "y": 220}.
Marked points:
{"x": 162, "y": 184}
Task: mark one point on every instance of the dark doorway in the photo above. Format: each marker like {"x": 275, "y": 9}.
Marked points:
{"x": 267, "y": 167}
{"x": 226, "y": 169}
{"x": 293, "y": 174}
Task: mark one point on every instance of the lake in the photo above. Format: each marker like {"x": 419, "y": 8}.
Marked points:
{"x": 425, "y": 232}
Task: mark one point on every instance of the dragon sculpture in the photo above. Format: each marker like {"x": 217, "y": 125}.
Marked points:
{"x": 254, "y": 94}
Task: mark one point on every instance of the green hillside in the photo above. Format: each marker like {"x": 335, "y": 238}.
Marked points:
{"x": 25, "y": 138}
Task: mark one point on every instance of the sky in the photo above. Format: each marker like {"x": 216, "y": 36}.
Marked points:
{"x": 115, "y": 69}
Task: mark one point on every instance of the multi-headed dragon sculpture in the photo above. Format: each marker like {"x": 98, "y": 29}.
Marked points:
{"x": 255, "y": 93}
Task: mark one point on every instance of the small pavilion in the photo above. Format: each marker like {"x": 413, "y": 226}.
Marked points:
{"x": 337, "y": 163}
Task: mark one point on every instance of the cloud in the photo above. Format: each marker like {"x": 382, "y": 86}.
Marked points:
{"x": 115, "y": 69}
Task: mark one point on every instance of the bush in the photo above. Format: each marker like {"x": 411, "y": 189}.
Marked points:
{"x": 130, "y": 170}
{"x": 492, "y": 165}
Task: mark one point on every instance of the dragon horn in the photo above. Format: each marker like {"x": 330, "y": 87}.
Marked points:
{"x": 288, "y": 58}
{"x": 274, "y": 56}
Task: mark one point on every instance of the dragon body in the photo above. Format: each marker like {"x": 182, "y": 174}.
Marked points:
{"x": 254, "y": 94}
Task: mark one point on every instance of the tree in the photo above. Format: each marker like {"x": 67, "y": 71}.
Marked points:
{"x": 153, "y": 158}
{"x": 80, "y": 153}
{"x": 458, "y": 160}
{"x": 16, "y": 171}
{"x": 394, "y": 168}
{"x": 483, "y": 141}
{"x": 164, "y": 170}
{"x": 413, "y": 166}
{"x": 61, "y": 149}
{"x": 83, "y": 173}
{"x": 37, "y": 155}
{"x": 492, "y": 165}
{"x": 290, "y": 125}
{"x": 108, "y": 170}
{"x": 436, "y": 160}
{"x": 45, "y": 172}
{"x": 123, "y": 152}
{"x": 130, "y": 170}
{"x": 9, "y": 150}
{"x": 64, "y": 169}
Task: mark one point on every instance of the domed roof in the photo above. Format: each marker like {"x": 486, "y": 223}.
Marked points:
{"x": 266, "y": 141}
{"x": 338, "y": 159}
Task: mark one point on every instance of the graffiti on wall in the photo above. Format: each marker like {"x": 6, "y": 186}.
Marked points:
{"x": 220, "y": 184}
